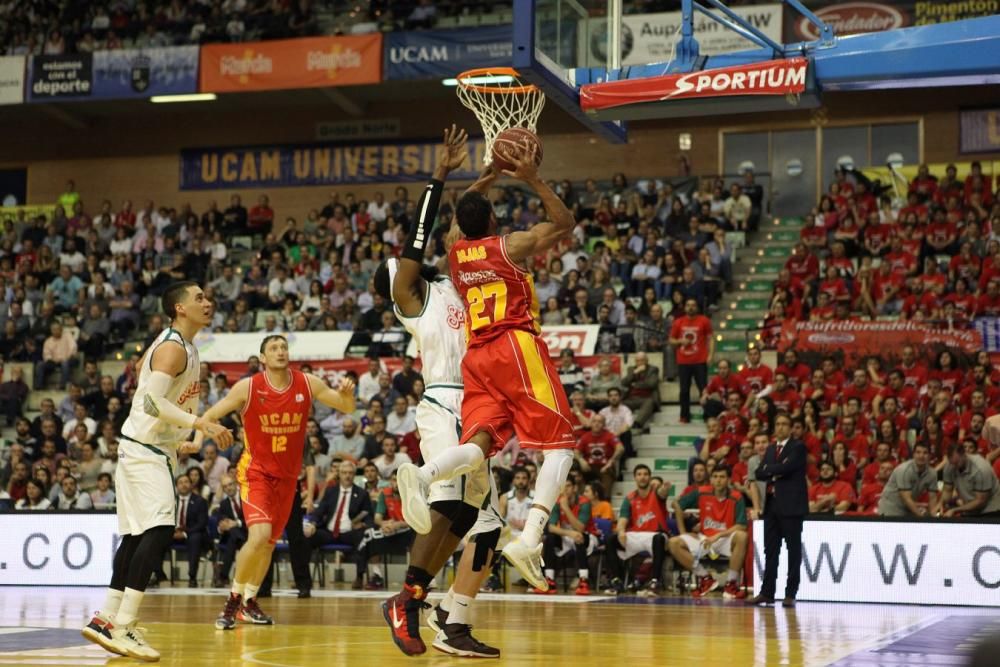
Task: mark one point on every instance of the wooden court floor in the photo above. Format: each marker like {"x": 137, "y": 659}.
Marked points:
{"x": 40, "y": 626}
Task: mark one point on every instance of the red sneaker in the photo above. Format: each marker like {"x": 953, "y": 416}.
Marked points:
{"x": 402, "y": 615}
{"x": 551, "y": 591}
{"x": 732, "y": 591}
{"x": 706, "y": 585}
{"x": 583, "y": 588}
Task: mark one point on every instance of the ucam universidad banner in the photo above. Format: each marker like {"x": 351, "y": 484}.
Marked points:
{"x": 316, "y": 164}
{"x": 900, "y": 562}
{"x": 12, "y": 79}
{"x": 310, "y": 62}
{"x": 439, "y": 54}
{"x": 146, "y": 72}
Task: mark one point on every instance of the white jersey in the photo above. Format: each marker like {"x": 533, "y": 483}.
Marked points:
{"x": 439, "y": 331}
{"x": 145, "y": 429}
{"x": 518, "y": 509}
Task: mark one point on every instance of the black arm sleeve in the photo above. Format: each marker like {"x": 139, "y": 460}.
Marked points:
{"x": 420, "y": 230}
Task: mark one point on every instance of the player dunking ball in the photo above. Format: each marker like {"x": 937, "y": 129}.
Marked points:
{"x": 158, "y": 425}
{"x": 511, "y": 384}
{"x": 430, "y": 308}
{"x": 275, "y": 406}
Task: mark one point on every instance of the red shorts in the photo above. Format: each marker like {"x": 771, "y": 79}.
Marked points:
{"x": 266, "y": 499}
{"x": 512, "y": 387}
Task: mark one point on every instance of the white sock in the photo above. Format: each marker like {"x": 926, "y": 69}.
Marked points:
{"x": 128, "y": 611}
{"x": 550, "y": 573}
{"x": 534, "y": 526}
{"x": 699, "y": 570}
{"x": 237, "y": 588}
{"x": 376, "y": 570}
{"x": 732, "y": 575}
{"x": 452, "y": 462}
{"x": 448, "y": 602}
{"x": 250, "y": 591}
{"x": 112, "y": 601}
{"x": 460, "y": 610}
{"x": 583, "y": 574}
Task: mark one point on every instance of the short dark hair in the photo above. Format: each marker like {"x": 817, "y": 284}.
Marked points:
{"x": 268, "y": 339}
{"x": 722, "y": 467}
{"x": 919, "y": 444}
{"x": 956, "y": 448}
{"x": 173, "y": 296}
{"x": 641, "y": 466}
{"x": 474, "y": 212}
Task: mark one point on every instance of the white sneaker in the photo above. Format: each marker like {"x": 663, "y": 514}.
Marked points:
{"x": 528, "y": 562}
{"x": 413, "y": 494}
{"x": 98, "y": 631}
{"x": 128, "y": 640}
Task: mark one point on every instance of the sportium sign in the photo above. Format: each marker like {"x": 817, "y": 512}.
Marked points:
{"x": 772, "y": 77}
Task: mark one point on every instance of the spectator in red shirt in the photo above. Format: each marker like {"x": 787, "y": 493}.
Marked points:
{"x": 937, "y": 442}
{"x": 877, "y": 236}
{"x": 947, "y": 371}
{"x": 872, "y": 491}
{"x": 906, "y": 397}
{"x": 890, "y": 411}
{"x": 941, "y": 235}
{"x": 825, "y": 397}
{"x": 731, "y": 420}
{"x": 830, "y": 495}
{"x": 784, "y": 397}
{"x": 802, "y": 264}
{"x": 861, "y": 389}
{"x": 755, "y": 375}
{"x": 914, "y": 372}
{"x": 977, "y": 397}
{"x": 691, "y": 336}
{"x": 883, "y": 454}
{"x": 858, "y": 444}
{"x": 835, "y": 378}
{"x": 813, "y": 235}
{"x": 581, "y": 415}
{"x": 797, "y": 372}
{"x": 944, "y": 411}
{"x": 989, "y": 303}
{"x": 976, "y": 433}
{"x": 823, "y": 310}
{"x": 893, "y": 434}
{"x": 598, "y": 453}
{"x": 834, "y": 285}
{"x": 739, "y": 471}
{"x": 900, "y": 260}
{"x": 965, "y": 264}
{"x": 697, "y": 476}
{"x": 844, "y": 466}
{"x": 815, "y": 448}
{"x": 839, "y": 260}
{"x": 719, "y": 445}
{"x": 964, "y": 302}
{"x": 887, "y": 287}
{"x": 261, "y": 217}
{"x": 713, "y": 399}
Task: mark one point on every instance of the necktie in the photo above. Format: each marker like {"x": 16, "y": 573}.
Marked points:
{"x": 340, "y": 513}
{"x": 183, "y": 521}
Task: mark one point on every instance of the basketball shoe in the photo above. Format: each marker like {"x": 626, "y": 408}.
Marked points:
{"x": 98, "y": 631}
{"x": 402, "y": 615}
{"x": 227, "y": 619}
{"x": 128, "y": 640}
{"x": 251, "y": 612}
{"x": 456, "y": 639}
{"x": 528, "y": 562}
{"x": 413, "y": 494}
{"x": 706, "y": 585}
{"x": 732, "y": 591}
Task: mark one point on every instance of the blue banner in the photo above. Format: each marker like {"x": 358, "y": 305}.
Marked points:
{"x": 146, "y": 72}
{"x": 316, "y": 164}
{"x": 440, "y": 54}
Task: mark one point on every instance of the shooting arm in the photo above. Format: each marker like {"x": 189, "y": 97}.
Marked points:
{"x": 544, "y": 235}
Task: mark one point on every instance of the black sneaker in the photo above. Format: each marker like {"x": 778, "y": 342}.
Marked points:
{"x": 456, "y": 639}
{"x": 227, "y": 619}
{"x": 614, "y": 587}
{"x": 375, "y": 583}
{"x": 651, "y": 589}
{"x": 633, "y": 587}
{"x": 492, "y": 584}
{"x": 437, "y": 619}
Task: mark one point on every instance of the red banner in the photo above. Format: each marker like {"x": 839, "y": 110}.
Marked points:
{"x": 333, "y": 369}
{"x": 851, "y": 342}
{"x": 771, "y": 77}
{"x": 310, "y": 62}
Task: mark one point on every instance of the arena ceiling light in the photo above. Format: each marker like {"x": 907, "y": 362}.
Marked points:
{"x": 480, "y": 80}
{"x": 194, "y": 97}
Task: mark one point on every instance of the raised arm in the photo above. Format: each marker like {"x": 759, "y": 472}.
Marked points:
{"x": 408, "y": 286}
{"x": 168, "y": 361}
{"x": 341, "y": 398}
{"x": 544, "y": 235}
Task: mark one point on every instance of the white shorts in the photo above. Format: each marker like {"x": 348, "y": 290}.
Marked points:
{"x": 144, "y": 487}
{"x": 723, "y": 546}
{"x": 569, "y": 545}
{"x": 440, "y": 425}
{"x": 637, "y": 543}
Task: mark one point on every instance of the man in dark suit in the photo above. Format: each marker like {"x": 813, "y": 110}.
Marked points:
{"x": 232, "y": 530}
{"x": 343, "y": 515}
{"x": 192, "y": 528}
{"x": 785, "y": 505}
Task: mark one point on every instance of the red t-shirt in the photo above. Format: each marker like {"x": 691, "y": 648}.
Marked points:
{"x": 950, "y": 380}
{"x": 786, "y": 401}
{"x": 695, "y": 331}
{"x": 597, "y": 449}
{"x": 798, "y": 376}
{"x": 756, "y": 378}
{"x": 825, "y": 400}
{"x": 988, "y": 306}
{"x": 866, "y": 396}
{"x": 901, "y": 262}
{"x": 843, "y": 491}
{"x": 726, "y": 440}
{"x": 814, "y": 446}
{"x": 714, "y": 514}
{"x": 274, "y": 423}
{"x": 870, "y": 472}
{"x": 722, "y": 386}
{"x": 734, "y": 423}
{"x": 906, "y": 398}
{"x": 803, "y": 267}
{"x": 858, "y": 445}
{"x": 870, "y": 495}
{"x": 915, "y": 376}
{"x": 739, "y": 472}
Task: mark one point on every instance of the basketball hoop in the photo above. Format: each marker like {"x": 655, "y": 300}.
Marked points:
{"x": 500, "y": 101}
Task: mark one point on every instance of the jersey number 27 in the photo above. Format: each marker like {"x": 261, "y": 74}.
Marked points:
{"x": 478, "y": 296}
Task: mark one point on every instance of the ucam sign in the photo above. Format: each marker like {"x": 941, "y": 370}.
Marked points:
{"x": 904, "y": 562}
{"x": 771, "y": 77}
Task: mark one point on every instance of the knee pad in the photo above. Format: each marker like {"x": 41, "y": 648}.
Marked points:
{"x": 485, "y": 543}
{"x": 464, "y": 520}
{"x": 551, "y": 475}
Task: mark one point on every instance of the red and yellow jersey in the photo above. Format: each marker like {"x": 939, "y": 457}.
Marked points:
{"x": 716, "y": 514}
{"x": 274, "y": 426}
{"x": 499, "y": 295}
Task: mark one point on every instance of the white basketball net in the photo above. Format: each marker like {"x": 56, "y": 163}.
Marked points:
{"x": 500, "y": 101}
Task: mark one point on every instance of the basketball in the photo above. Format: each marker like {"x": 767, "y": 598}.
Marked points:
{"x": 511, "y": 143}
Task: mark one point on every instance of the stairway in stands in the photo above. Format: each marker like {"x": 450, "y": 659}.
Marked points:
{"x": 668, "y": 445}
